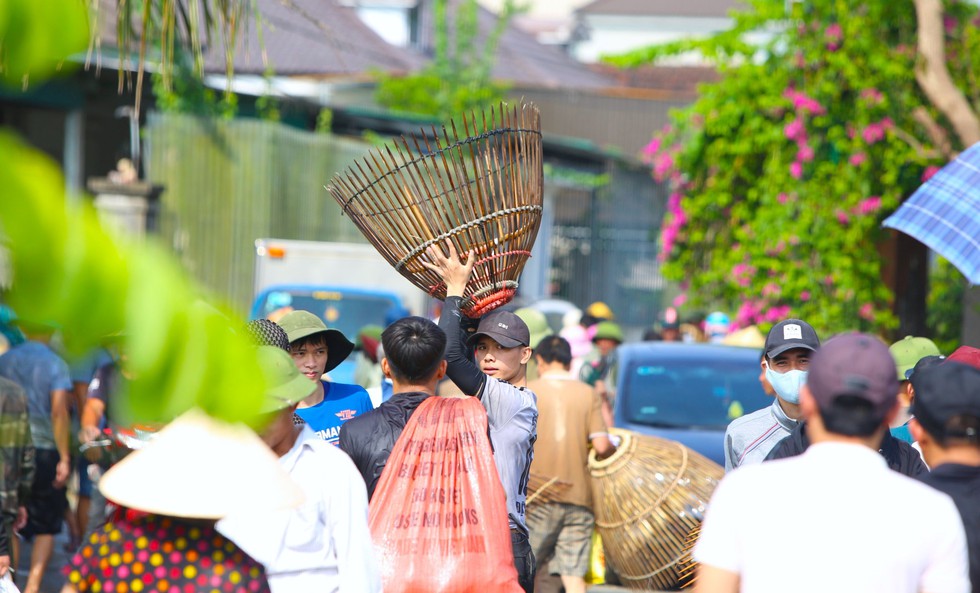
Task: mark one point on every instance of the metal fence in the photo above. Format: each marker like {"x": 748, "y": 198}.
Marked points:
{"x": 604, "y": 245}
{"x": 228, "y": 183}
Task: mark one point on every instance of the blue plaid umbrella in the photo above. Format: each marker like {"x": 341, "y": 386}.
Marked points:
{"x": 944, "y": 213}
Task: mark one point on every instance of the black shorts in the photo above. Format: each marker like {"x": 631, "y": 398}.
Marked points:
{"x": 47, "y": 505}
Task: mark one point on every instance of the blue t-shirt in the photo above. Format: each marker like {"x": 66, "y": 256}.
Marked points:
{"x": 341, "y": 402}
{"x": 39, "y": 371}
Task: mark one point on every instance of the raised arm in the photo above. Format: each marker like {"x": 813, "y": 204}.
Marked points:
{"x": 466, "y": 375}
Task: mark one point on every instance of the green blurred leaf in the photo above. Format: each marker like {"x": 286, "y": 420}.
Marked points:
{"x": 37, "y": 35}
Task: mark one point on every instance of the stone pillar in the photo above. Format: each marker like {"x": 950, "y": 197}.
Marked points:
{"x": 129, "y": 208}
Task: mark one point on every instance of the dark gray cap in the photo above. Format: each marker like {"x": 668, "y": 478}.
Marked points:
{"x": 789, "y": 334}
{"x": 505, "y": 327}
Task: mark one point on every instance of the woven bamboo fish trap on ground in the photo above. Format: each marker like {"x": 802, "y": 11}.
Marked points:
{"x": 479, "y": 186}
{"x": 648, "y": 497}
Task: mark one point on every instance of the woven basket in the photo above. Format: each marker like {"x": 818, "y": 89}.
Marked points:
{"x": 649, "y": 496}
{"x": 480, "y": 188}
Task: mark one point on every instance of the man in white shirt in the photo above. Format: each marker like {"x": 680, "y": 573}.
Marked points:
{"x": 324, "y": 545}
{"x": 839, "y": 496}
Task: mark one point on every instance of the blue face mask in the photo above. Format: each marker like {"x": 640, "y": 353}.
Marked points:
{"x": 786, "y": 385}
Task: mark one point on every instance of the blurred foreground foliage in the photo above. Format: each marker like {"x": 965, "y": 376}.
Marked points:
{"x": 70, "y": 272}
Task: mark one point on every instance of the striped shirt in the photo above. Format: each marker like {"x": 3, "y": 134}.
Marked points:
{"x": 750, "y": 438}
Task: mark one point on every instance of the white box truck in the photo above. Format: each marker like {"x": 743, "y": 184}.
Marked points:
{"x": 349, "y": 285}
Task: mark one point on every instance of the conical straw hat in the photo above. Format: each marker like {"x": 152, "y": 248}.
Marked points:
{"x": 478, "y": 184}
{"x": 649, "y": 495}
{"x": 202, "y": 468}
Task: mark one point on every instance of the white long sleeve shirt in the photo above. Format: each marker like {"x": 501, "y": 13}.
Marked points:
{"x": 325, "y": 544}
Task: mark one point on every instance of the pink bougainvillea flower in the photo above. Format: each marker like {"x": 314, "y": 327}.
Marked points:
{"x": 804, "y": 154}
{"x": 842, "y": 217}
{"x": 680, "y": 299}
{"x": 950, "y": 24}
{"x": 804, "y": 103}
{"x": 674, "y": 203}
{"x": 866, "y": 311}
{"x": 828, "y": 280}
{"x": 834, "y": 32}
{"x": 869, "y": 205}
{"x": 805, "y": 295}
{"x": 873, "y": 133}
{"x": 795, "y": 130}
{"x": 872, "y": 95}
{"x": 929, "y": 172}
{"x": 770, "y": 289}
{"x": 796, "y": 170}
{"x": 857, "y": 159}
{"x": 663, "y": 164}
{"x": 739, "y": 269}
{"x": 782, "y": 198}
{"x": 652, "y": 148}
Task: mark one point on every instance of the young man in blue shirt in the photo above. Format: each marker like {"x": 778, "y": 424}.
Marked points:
{"x": 317, "y": 350}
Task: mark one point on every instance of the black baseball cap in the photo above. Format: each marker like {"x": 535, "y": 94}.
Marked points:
{"x": 857, "y": 365}
{"x": 947, "y": 400}
{"x": 505, "y": 327}
{"x": 789, "y": 334}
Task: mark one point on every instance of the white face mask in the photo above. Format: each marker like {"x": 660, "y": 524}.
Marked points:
{"x": 786, "y": 385}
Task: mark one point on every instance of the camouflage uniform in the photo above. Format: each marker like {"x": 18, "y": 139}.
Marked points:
{"x": 16, "y": 457}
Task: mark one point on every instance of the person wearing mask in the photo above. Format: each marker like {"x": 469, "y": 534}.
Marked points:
{"x": 786, "y": 358}
{"x": 907, "y": 352}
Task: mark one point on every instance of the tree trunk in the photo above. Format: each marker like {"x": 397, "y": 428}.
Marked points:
{"x": 933, "y": 76}
{"x": 934, "y": 80}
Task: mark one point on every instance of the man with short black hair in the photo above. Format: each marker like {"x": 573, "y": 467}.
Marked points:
{"x": 414, "y": 348}
{"x": 946, "y": 424}
{"x": 786, "y": 358}
{"x": 841, "y": 496}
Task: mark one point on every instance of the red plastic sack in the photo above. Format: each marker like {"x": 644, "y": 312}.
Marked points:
{"x": 438, "y": 517}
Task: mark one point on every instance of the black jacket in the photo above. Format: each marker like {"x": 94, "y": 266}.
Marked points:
{"x": 900, "y": 455}
{"x": 962, "y": 484}
{"x": 369, "y": 438}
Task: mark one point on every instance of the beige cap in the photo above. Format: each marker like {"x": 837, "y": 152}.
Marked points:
{"x": 202, "y": 468}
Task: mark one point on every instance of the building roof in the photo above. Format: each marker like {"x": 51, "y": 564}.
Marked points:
{"x": 314, "y": 37}
{"x": 324, "y": 38}
{"x": 520, "y": 58}
{"x": 677, "y": 81}
{"x": 690, "y": 8}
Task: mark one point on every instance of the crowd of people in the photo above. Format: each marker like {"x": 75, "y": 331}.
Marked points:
{"x": 873, "y": 452}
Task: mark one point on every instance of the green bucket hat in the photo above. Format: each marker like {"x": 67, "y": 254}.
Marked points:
{"x": 609, "y": 331}
{"x": 301, "y": 324}
{"x": 910, "y": 350}
{"x": 285, "y": 385}
{"x": 537, "y": 324}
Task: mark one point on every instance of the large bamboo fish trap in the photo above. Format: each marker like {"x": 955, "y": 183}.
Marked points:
{"x": 479, "y": 187}
{"x": 649, "y": 496}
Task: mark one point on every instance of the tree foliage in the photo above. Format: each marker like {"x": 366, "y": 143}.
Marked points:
{"x": 782, "y": 171}
{"x": 458, "y": 79}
